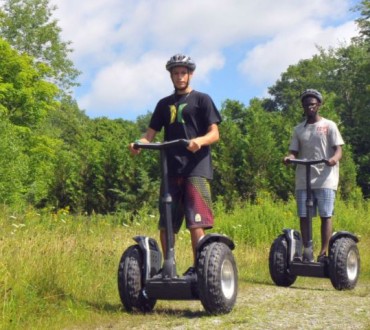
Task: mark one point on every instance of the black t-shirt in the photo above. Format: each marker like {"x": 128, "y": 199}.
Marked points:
{"x": 186, "y": 117}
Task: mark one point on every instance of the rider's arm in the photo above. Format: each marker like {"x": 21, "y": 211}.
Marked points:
{"x": 210, "y": 137}
{"x": 147, "y": 138}
{"x": 292, "y": 155}
{"x": 336, "y": 157}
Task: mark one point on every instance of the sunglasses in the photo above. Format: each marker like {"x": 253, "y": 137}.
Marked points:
{"x": 309, "y": 105}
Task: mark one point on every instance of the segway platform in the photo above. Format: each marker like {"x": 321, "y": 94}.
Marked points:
{"x": 178, "y": 288}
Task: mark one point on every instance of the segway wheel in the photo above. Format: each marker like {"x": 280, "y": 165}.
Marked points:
{"x": 130, "y": 281}
{"x": 344, "y": 263}
{"x": 217, "y": 278}
{"x": 278, "y": 263}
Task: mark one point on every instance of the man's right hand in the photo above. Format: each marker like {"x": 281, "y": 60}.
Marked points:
{"x": 287, "y": 159}
{"x": 147, "y": 138}
{"x": 133, "y": 150}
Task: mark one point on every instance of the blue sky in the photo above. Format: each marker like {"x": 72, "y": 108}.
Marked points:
{"x": 241, "y": 47}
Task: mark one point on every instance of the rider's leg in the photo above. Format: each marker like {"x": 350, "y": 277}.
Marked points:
{"x": 196, "y": 234}
{"x": 326, "y": 232}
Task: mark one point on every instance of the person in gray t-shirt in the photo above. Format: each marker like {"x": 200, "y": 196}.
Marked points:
{"x": 316, "y": 138}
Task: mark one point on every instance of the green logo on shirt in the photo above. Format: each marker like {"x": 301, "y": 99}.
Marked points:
{"x": 177, "y": 113}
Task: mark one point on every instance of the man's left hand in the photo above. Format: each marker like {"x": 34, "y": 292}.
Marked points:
{"x": 194, "y": 145}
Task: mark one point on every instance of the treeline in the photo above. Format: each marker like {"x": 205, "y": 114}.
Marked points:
{"x": 54, "y": 156}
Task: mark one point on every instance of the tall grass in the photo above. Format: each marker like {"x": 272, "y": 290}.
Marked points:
{"x": 58, "y": 270}
{"x": 254, "y": 227}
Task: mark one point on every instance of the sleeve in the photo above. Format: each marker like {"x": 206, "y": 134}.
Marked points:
{"x": 335, "y": 136}
{"x": 212, "y": 115}
{"x": 294, "y": 142}
{"x": 156, "y": 122}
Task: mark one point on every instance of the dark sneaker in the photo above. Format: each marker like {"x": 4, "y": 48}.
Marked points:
{"x": 322, "y": 258}
{"x": 191, "y": 272}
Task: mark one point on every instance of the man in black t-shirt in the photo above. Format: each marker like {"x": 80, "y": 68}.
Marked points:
{"x": 186, "y": 114}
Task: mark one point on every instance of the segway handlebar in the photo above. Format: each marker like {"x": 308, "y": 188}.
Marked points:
{"x": 162, "y": 145}
{"x": 307, "y": 161}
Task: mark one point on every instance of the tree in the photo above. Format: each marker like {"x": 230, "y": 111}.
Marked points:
{"x": 363, "y": 21}
{"x": 228, "y": 155}
{"x": 143, "y": 121}
{"x": 25, "y": 97}
{"x": 13, "y": 164}
{"x": 29, "y": 27}
{"x": 109, "y": 178}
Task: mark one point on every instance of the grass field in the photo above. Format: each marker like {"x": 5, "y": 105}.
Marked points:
{"x": 59, "y": 271}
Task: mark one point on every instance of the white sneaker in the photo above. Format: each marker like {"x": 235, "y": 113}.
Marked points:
{"x": 308, "y": 255}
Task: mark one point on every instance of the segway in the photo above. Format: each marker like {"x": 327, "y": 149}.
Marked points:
{"x": 142, "y": 279}
{"x": 286, "y": 260}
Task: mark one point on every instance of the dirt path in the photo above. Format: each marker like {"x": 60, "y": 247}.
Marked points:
{"x": 309, "y": 304}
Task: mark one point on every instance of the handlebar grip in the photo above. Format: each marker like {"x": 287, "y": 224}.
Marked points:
{"x": 307, "y": 161}
{"x": 161, "y": 145}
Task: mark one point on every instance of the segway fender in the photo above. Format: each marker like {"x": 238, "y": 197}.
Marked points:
{"x": 152, "y": 255}
{"x": 294, "y": 244}
{"x": 210, "y": 238}
{"x": 341, "y": 234}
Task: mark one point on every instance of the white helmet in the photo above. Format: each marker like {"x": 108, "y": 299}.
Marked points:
{"x": 311, "y": 92}
{"x": 180, "y": 60}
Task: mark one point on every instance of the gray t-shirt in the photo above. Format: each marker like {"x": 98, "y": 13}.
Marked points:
{"x": 316, "y": 141}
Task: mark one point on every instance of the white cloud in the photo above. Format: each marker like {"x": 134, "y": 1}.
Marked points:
{"x": 134, "y": 85}
{"x": 265, "y": 62}
{"x": 122, "y": 45}
{"x": 127, "y": 85}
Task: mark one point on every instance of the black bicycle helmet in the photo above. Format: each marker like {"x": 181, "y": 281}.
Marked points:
{"x": 180, "y": 60}
{"x": 311, "y": 92}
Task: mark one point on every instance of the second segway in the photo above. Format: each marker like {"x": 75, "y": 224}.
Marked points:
{"x": 286, "y": 260}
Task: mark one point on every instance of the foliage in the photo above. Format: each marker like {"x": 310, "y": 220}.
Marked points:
{"x": 25, "y": 100}
{"x": 55, "y": 157}
{"x": 364, "y": 20}
{"x": 25, "y": 97}
{"x": 29, "y": 27}
{"x": 13, "y": 164}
